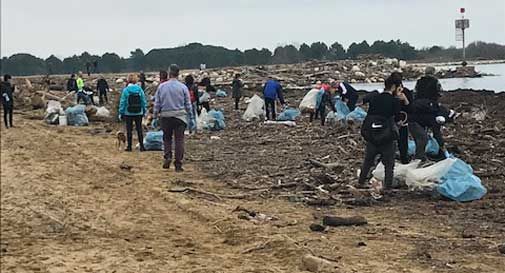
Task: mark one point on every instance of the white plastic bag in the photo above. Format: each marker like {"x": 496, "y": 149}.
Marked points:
{"x": 309, "y": 101}
{"x": 285, "y": 123}
{"x": 203, "y": 120}
{"x": 428, "y": 177}
{"x": 54, "y": 107}
{"x": 255, "y": 109}
{"x": 400, "y": 170}
{"x": 102, "y": 112}
{"x": 205, "y": 97}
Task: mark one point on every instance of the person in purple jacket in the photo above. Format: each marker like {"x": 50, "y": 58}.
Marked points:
{"x": 172, "y": 106}
{"x": 271, "y": 92}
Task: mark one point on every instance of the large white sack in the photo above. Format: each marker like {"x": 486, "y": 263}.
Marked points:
{"x": 255, "y": 109}
{"x": 428, "y": 177}
{"x": 203, "y": 120}
{"x": 400, "y": 171}
{"x": 309, "y": 101}
{"x": 102, "y": 112}
{"x": 54, "y": 107}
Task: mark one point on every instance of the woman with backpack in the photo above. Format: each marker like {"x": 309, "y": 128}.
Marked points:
{"x": 132, "y": 107}
{"x": 380, "y": 132}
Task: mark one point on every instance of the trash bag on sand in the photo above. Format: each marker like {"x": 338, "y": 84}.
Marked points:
{"x": 102, "y": 112}
{"x": 255, "y": 109}
{"x": 53, "y": 111}
{"x": 460, "y": 184}
{"x": 153, "y": 141}
{"x": 76, "y": 115}
{"x": 215, "y": 121}
{"x": 432, "y": 147}
{"x": 202, "y": 120}
{"x": 400, "y": 170}
{"x": 311, "y": 100}
{"x": 288, "y": 114}
{"x": 220, "y": 93}
{"x": 358, "y": 115}
{"x": 428, "y": 177}
{"x": 342, "y": 109}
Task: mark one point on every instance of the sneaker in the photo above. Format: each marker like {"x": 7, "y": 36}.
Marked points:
{"x": 142, "y": 149}
{"x": 128, "y": 149}
{"x": 166, "y": 164}
{"x": 179, "y": 169}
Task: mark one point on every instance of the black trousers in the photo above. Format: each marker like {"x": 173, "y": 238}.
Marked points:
{"x": 351, "y": 103}
{"x": 387, "y": 153}
{"x": 321, "y": 112}
{"x": 403, "y": 144}
{"x": 8, "y": 109}
{"x": 237, "y": 100}
{"x": 138, "y": 127}
{"x": 270, "y": 108}
{"x": 103, "y": 97}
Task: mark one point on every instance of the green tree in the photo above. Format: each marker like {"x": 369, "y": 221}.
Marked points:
{"x": 54, "y": 65}
{"x": 137, "y": 60}
{"x": 286, "y": 55}
{"x": 355, "y": 49}
{"x": 319, "y": 50}
{"x": 337, "y": 52}
{"x": 305, "y": 52}
{"x": 111, "y": 62}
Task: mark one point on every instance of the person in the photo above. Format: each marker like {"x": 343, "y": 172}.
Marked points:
{"x": 132, "y": 107}
{"x": 348, "y": 94}
{"x": 172, "y": 106}
{"x": 189, "y": 81}
{"x": 425, "y": 114}
{"x": 236, "y": 86}
{"x": 380, "y": 132}
{"x": 88, "y": 92}
{"x": 163, "y": 76}
{"x": 325, "y": 100}
{"x": 81, "y": 95}
{"x": 203, "y": 97}
{"x": 271, "y": 92}
{"x": 7, "y": 90}
{"x": 72, "y": 84}
{"x": 142, "y": 80}
{"x": 405, "y": 97}
{"x": 102, "y": 87}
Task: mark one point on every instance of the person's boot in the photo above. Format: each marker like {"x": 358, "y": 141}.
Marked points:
{"x": 142, "y": 148}
{"x": 166, "y": 164}
{"x": 179, "y": 169}
{"x": 128, "y": 148}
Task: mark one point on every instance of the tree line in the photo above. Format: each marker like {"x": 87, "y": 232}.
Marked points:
{"x": 194, "y": 54}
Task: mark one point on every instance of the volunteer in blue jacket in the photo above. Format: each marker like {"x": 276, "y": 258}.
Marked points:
{"x": 271, "y": 92}
{"x": 132, "y": 107}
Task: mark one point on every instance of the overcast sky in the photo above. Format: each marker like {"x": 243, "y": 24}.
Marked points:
{"x": 67, "y": 27}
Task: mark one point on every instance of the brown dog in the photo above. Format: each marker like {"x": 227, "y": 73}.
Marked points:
{"x": 121, "y": 139}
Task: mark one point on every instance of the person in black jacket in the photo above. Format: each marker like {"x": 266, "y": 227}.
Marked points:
{"x": 348, "y": 94}
{"x": 405, "y": 97}
{"x": 72, "y": 84}
{"x": 102, "y": 87}
{"x": 380, "y": 133}
{"x": 7, "y": 90}
{"x": 424, "y": 113}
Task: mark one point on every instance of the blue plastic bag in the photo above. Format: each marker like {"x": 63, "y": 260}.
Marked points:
{"x": 220, "y": 93}
{"x": 432, "y": 147}
{"x": 76, "y": 115}
{"x": 153, "y": 141}
{"x": 289, "y": 114}
{"x": 358, "y": 115}
{"x": 342, "y": 109}
{"x": 460, "y": 184}
{"x": 216, "y": 120}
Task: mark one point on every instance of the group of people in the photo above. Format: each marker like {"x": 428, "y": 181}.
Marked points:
{"x": 393, "y": 115}
{"x": 85, "y": 93}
